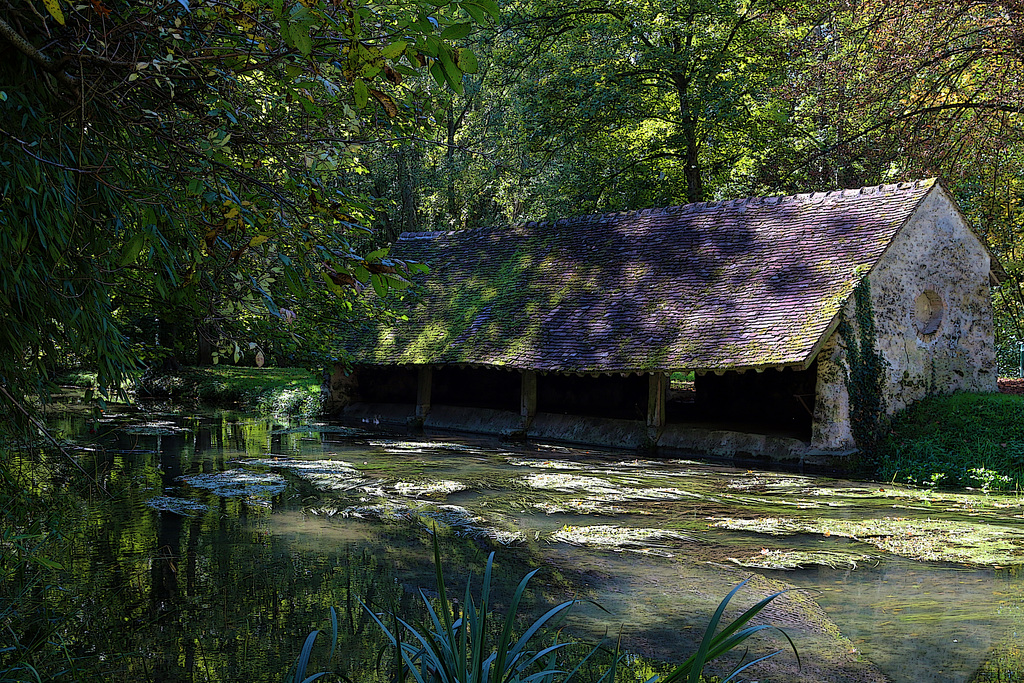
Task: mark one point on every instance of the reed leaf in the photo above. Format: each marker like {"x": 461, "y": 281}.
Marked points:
{"x": 464, "y": 649}
{"x": 713, "y": 645}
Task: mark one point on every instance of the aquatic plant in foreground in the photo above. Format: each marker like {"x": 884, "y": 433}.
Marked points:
{"x": 455, "y": 649}
{"x": 297, "y": 673}
{"x": 714, "y": 645}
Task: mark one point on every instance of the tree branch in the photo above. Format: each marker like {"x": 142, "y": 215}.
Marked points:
{"x": 46, "y": 62}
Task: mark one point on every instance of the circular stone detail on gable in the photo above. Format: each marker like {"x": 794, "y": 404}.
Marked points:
{"x": 928, "y": 311}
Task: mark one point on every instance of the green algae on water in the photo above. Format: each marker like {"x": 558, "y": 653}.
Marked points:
{"x": 179, "y": 506}
{"x": 648, "y": 541}
{"x": 797, "y": 559}
{"x": 253, "y": 486}
{"x": 925, "y": 540}
{"x": 324, "y": 475}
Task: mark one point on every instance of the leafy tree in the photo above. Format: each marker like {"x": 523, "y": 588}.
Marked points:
{"x": 193, "y": 163}
{"x": 904, "y": 88}
{"x": 602, "y": 106}
{"x": 436, "y": 171}
{"x": 657, "y": 102}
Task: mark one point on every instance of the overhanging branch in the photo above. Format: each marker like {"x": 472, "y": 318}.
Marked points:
{"x": 46, "y": 62}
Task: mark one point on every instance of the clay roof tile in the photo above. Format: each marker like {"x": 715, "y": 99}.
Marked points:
{"x": 747, "y": 282}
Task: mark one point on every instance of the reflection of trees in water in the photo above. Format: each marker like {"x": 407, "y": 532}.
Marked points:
{"x": 222, "y": 599}
{"x": 1004, "y": 662}
{"x": 217, "y": 596}
{"x": 174, "y": 656}
{"x": 213, "y": 596}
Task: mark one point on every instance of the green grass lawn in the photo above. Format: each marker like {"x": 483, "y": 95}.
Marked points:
{"x": 288, "y": 391}
{"x": 957, "y": 441}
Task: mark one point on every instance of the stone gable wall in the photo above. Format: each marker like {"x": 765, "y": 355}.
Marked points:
{"x": 933, "y": 320}
{"x": 933, "y": 307}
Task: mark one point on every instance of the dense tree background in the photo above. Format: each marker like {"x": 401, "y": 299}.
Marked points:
{"x": 604, "y": 106}
{"x": 195, "y": 182}
{"x": 199, "y": 181}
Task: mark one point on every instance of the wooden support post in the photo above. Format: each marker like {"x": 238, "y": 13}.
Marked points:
{"x": 423, "y": 392}
{"x": 528, "y": 397}
{"x": 657, "y": 391}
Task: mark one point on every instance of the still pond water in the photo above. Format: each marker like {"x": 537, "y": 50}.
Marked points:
{"x": 238, "y": 533}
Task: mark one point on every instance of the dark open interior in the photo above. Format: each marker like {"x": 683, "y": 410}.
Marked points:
{"x": 604, "y": 396}
{"x": 387, "y": 385}
{"x": 778, "y": 402}
{"x": 476, "y": 388}
{"x": 774, "y": 401}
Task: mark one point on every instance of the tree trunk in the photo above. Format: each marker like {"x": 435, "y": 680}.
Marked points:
{"x": 406, "y": 187}
{"x": 204, "y": 345}
{"x": 688, "y": 123}
{"x": 694, "y": 182}
{"x": 453, "y": 207}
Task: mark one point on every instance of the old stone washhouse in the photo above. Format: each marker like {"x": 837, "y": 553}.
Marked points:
{"x": 791, "y": 313}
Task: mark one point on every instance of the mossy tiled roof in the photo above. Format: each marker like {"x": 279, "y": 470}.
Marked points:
{"x": 745, "y": 283}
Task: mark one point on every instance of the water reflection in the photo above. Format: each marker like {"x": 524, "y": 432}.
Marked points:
{"x": 227, "y": 586}
{"x": 935, "y": 623}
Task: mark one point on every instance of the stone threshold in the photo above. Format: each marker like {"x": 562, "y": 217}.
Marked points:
{"x": 584, "y": 430}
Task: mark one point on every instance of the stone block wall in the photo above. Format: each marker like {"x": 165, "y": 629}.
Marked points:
{"x": 933, "y": 322}
{"x": 830, "y": 430}
{"x": 933, "y": 307}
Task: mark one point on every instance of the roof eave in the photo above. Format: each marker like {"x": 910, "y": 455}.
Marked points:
{"x": 795, "y": 364}
{"x": 825, "y": 336}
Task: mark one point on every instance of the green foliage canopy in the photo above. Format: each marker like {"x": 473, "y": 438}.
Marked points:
{"x": 194, "y": 161}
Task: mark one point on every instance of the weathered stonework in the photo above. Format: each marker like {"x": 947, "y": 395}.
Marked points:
{"x": 830, "y": 430}
{"x": 932, "y": 310}
{"x": 938, "y": 253}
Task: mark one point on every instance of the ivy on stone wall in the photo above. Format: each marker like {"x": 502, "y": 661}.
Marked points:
{"x": 865, "y": 371}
